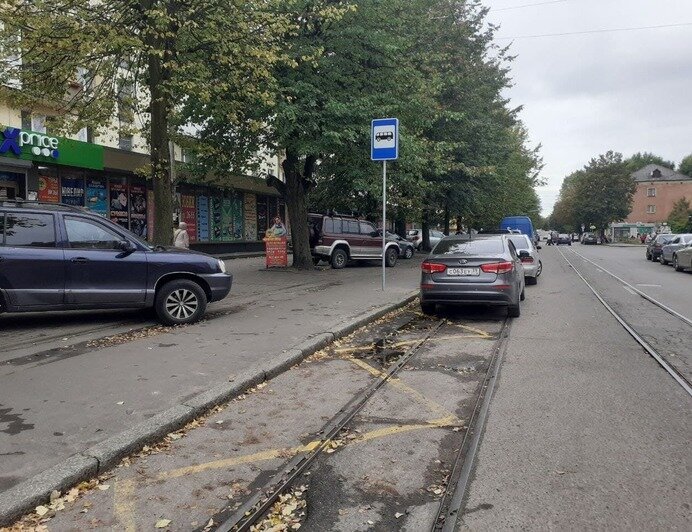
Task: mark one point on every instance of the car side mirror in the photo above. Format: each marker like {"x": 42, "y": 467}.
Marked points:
{"x": 539, "y": 247}
{"x": 125, "y": 245}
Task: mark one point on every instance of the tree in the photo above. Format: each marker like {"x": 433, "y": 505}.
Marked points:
{"x": 640, "y": 159}
{"x": 685, "y": 167}
{"x": 139, "y": 59}
{"x": 679, "y": 217}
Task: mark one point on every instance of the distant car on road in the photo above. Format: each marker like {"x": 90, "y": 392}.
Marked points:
{"x": 682, "y": 259}
{"x": 530, "y": 259}
{"x": 59, "y": 257}
{"x": 654, "y": 247}
{"x": 478, "y": 270}
{"x": 564, "y": 238}
{"x": 407, "y": 248}
{"x": 590, "y": 239}
{"x": 416, "y": 237}
{"x": 678, "y": 242}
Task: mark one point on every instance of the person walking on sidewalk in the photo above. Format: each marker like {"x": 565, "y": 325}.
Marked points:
{"x": 180, "y": 237}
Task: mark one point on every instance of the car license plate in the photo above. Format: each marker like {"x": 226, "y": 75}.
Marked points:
{"x": 463, "y": 271}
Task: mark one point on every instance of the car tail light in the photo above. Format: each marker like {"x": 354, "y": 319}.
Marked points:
{"x": 497, "y": 267}
{"x": 527, "y": 259}
{"x": 432, "y": 267}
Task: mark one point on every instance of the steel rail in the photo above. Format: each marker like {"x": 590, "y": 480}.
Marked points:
{"x": 452, "y": 504}
{"x": 637, "y": 291}
{"x": 679, "y": 378}
{"x": 261, "y": 502}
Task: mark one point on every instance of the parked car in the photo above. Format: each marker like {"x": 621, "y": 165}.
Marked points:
{"x": 407, "y": 248}
{"x": 415, "y": 236}
{"x": 478, "y": 270}
{"x": 533, "y": 267}
{"x": 564, "y": 238}
{"x": 669, "y": 250}
{"x": 590, "y": 239}
{"x": 339, "y": 239}
{"x": 655, "y": 245}
{"x": 522, "y": 224}
{"x": 59, "y": 257}
{"x": 682, "y": 259}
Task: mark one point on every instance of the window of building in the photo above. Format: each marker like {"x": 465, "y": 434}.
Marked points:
{"x": 125, "y": 142}
{"x": 38, "y": 123}
{"x": 651, "y": 209}
{"x": 26, "y": 120}
{"x": 82, "y": 134}
{"x": 651, "y": 192}
{"x": 29, "y": 230}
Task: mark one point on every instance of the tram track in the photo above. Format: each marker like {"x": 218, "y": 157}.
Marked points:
{"x": 450, "y": 502}
{"x": 664, "y": 361}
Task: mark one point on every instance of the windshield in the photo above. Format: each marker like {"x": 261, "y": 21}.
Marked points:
{"x": 469, "y": 247}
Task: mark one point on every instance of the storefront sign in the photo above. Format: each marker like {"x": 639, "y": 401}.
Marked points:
{"x": 118, "y": 204}
{"x": 203, "y": 218}
{"x": 33, "y": 146}
{"x": 96, "y": 196}
{"x": 189, "y": 215}
{"x": 138, "y": 210}
{"x": 72, "y": 190}
{"x": 250, "y": 212}
{"x": 48, "y": 189}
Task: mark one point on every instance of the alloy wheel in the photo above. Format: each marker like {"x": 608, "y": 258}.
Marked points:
{"x": 181, "y": 304}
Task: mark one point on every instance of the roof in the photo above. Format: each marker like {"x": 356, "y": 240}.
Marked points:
{"x": 655, "y": 172}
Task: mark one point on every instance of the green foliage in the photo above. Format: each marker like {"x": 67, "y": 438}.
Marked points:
{"x": 679, "y": 218}
{"x": 685, "y": 167}
{"x": 598, "y": 194}
{"x": 640, "y": 159}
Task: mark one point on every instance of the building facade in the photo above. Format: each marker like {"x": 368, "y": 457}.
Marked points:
{"x": 658, "y": 188}
{"x": 99, "y": 173}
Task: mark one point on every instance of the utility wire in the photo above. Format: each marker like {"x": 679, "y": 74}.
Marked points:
{"x": 612, "y": 30}
{"x": 494, "y": 10}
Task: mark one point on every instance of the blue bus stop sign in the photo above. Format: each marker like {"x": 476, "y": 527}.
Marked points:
{"x": 384, "y": 144}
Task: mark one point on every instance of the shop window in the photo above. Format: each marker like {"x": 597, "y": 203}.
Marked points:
{"x": 72, "y": 188}
{"x": 29, "y": 230}
{"x": 85, "y": 234}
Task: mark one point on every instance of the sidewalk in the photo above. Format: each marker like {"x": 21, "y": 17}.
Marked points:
{"x": 586, "y": 431}
{"x": 55, "y": 405}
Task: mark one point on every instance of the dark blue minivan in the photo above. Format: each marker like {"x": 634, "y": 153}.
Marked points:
{"x": 59, "y": 257}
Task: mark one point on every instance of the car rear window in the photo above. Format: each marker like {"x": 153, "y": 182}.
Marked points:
{"x": 29, "y": 230}
{"x": 520, "y": 242}
{"x": 469, "y": 247}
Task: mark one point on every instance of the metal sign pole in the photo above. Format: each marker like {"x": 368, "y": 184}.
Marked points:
{"x": 384, "y": 218}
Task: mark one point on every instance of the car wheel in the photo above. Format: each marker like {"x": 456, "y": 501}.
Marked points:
{"x": 409, "y": 252}
{"x": 428, "y": 308}
{"x": 648, "y": 256}
{"x": 390, "y": 257}
{"x": 676, "y": 265}
{"x": 339, "y": 259}
{"x": 662, "y": 260}
{"x": 569, "y": 244}
{"x": 180, "y": 302}
{"x": 513, "y": 311}
{"x": 532, "y": 280}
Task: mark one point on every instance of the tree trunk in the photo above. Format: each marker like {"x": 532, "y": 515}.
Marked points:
{"x": 425, "y": 245}
{"x": 160, "y": 157}
{"x": 400, "y": 223}
{"x": 297, "y": 212}
{"x": 446, "y": 229}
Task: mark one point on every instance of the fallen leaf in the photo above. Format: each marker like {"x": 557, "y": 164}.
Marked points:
{"x": 103, "y": 487}
{"x": 41, "y": 510}
{"x": 72, "y": 495}
{"x": 55, "y": 494}
{"x": 398, "y": 515}
{"x": 219, "y": 422}
{"x": 120, "y": 403}
{"x": 162, "y": 523}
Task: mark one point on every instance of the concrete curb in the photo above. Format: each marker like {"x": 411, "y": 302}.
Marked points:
{"x": 105, "y": 455}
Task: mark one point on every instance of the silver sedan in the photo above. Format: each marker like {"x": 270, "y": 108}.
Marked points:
{"x": 473, "y": 270}
{"x": 533, "y": 267}
{"x": 682, "y": 259}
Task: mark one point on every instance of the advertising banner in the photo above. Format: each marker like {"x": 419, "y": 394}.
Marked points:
{"x": 261, "y": 217}
{"x": 203, "y": 218}
{"x": 96, "y": 196}
{"x": 250, "y": 216}
{"x": 138, "y": 210}
{"x": 276, "y": 253}
{"x": 72, "y": 190}
{"x": 188, "y": 212}
{"x": 216, "y": 225}
{"x": 236, "y": 226}
{"x": 150, "y": 215}
{"x": 118, "y": 203}
{"x": 48, "y": 189}
{"x": 227, "y": 219}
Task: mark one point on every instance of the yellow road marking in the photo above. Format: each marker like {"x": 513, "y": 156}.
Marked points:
{"x": 124, "y": 504}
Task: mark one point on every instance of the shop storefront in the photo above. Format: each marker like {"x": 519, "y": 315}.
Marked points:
{"x": 39, "y": 167}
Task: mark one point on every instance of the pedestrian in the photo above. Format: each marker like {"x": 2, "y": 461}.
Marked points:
{"x": 180, "y": 237}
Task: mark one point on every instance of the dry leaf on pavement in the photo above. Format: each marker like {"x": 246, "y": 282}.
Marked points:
{"x": 162, "y": 523}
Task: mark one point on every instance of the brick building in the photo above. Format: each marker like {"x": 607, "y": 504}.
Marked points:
{"x": 658, "y": 188}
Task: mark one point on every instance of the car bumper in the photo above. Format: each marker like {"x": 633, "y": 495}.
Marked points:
{"x": 219, "y": 284}
{"x": 468, "y": 296}
{"x": 530, "y": 270}
{"x": 322, "y": 251}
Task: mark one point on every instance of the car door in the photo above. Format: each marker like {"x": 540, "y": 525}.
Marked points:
{"x": 372, "y": 245}
{"x": 32, "y": 273}
{"x": 98, "y": 272}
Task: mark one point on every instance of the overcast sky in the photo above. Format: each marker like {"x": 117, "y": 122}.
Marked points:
{"x": 627, "y": 91}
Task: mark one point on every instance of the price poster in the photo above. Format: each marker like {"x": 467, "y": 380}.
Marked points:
{"x": 138, "y": 210}
{"x": 188, "y": 210}
{"x": 118, "y": 204}
{"x": 97, "y": 196}
{"x": 48, "y": 189}
{"x": 203, "y": 218}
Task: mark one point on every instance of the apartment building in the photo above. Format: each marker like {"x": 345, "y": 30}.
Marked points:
{"x": 658, "y": 188}
{"x": 98, "y": 171}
